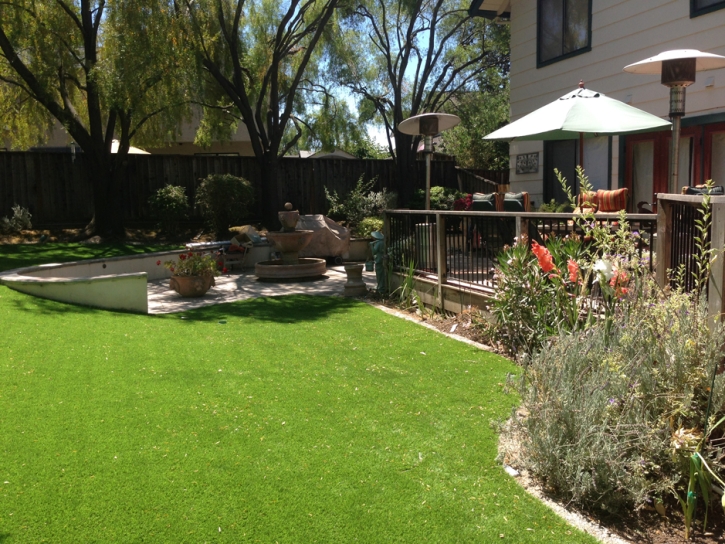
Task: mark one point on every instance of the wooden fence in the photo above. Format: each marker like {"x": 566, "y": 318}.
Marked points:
{"x": 54, "y": 187}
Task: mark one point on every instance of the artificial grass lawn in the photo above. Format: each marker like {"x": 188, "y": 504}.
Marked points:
{"x": 298, "y": 419}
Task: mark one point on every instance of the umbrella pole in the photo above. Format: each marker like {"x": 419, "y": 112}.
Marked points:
{"x": 581, "y": 149}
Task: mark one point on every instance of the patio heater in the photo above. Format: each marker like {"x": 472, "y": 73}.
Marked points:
{"x": 677, "y": 71}
{"x": 428, "y": 125}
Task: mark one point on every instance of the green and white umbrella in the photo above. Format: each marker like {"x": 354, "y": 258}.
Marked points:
{"x": 578, "y": 114}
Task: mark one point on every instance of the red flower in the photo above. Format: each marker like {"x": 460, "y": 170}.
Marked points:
{"x": 158, "y": 263}
{"x": 224, "y": 270}
{"x": 182, "y": 257}
{"x": 546, "y": 261}
{"x": 573, "y": 268}
{"x": 220, "y": 263}
{"x": 191, "y": 254}
{"x": 464, "y": 203}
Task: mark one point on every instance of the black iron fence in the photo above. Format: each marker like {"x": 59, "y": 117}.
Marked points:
{"x": 677, "y": 251}
{"x": 461, "y": 248}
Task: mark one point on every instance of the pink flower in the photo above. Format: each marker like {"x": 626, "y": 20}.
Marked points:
{"x": 573, "y": 268}
{"x": 546, "y": 261}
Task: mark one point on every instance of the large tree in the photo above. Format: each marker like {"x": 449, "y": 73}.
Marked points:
{"x": 481, "y": 111}
{"x": 406, "y": 57}
{"x": 103, "y": 70}
{"x": 259, "y": 55}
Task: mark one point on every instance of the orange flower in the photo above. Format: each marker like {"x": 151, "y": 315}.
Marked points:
{"x": 573, "y": 268}
{"x": 546, "y": 261}
{"x": 618, "y": 283}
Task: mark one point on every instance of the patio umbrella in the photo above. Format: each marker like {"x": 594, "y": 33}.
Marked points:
{"x": 579, "y": 114}
{"x": 131, "y": 150}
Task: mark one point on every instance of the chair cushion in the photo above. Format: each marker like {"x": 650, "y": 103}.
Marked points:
{"x": 702, "y": 190}
{"x": 612, "y": 201}
{"x": 483, "y": 202}
{"x": 516, "y": 202}
{"x": 588, "y": 200}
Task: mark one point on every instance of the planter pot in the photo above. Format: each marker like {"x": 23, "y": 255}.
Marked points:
{"x": 359, "y": 249}
{"x": 191, "y": 286}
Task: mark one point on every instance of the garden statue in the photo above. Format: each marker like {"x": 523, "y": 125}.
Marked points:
{"x": 378, "y": 249}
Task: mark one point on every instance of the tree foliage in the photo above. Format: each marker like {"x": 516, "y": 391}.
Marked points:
{"x": 258, "y": 56}
{"x": 102, "y": 70}
{"x": 481, "y": 112}
{"x": 405, "y": 57}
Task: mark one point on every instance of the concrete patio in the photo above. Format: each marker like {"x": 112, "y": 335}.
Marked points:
{"x": 242, "y": 285}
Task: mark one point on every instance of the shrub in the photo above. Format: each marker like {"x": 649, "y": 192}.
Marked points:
{"x": 224, "y": 200}
{"x": 441, "y": 198}
{"x": 566, "y": 284}
{"x": 19, "y": 221}
{"x": 359, "y": 203}
{"x": 368, "y": 225}
{"x": 555, "y": 207}
{"x": 608, "y": 407}
{"x": 170, "y": 206}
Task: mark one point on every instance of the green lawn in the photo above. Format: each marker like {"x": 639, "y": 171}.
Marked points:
{"x": 294, "y": 419}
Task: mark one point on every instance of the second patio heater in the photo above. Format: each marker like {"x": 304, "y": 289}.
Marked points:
{"x": 428, "y": 125}
{"x": 677, "y": 71}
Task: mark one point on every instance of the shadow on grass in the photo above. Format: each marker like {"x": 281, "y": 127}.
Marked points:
{"x": 281, "y": 309}
{"x": 4, "y": 536}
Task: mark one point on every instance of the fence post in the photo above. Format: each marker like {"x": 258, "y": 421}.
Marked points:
{"x": 715, "y": 301}
{"x": 664, "y": 240}
{"x": 441, "y": 264}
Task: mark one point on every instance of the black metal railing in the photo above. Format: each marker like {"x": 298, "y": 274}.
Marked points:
{"x": 683, "y": 244}
{"x": 468, "y": 243}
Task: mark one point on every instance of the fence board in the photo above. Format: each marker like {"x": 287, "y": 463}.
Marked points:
{"x": 54, "y": 187}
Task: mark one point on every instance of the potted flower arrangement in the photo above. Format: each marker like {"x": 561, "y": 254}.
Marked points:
{"x": 193, "y": 273}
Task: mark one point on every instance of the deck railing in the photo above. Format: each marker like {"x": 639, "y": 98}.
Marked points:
{"x": 676, "y": 246}
{"x": 459, "y": 249}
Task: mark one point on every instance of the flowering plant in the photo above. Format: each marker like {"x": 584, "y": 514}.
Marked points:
{"x": 192, "y": 264}
{"x": 463, "y": 204}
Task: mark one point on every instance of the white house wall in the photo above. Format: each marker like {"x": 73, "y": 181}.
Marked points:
{"x": 623, "y": 32}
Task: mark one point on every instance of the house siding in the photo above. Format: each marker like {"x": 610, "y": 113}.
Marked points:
{"x": 623, "y": 32}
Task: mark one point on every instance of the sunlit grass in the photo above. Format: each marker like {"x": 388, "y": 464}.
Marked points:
{"x": 294, "y": 419}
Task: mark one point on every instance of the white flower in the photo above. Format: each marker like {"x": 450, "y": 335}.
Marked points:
{"x": 604, "y": 268}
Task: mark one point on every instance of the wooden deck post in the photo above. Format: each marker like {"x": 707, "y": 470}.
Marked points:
{"x": 716, "y": 303}
{"x": 664, "y": 241}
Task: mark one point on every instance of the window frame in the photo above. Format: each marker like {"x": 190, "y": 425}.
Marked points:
{"x": 541, "y": 63}
{"x": 696, "y": 12}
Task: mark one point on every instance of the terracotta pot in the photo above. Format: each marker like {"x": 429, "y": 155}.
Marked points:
{"x": 192, "y": 286}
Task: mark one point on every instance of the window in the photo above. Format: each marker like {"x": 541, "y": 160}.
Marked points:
{"x": 701, "y": 7}
{"x": 564, "y": 29}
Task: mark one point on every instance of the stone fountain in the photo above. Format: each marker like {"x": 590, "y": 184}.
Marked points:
{"x": 288, "y": 243}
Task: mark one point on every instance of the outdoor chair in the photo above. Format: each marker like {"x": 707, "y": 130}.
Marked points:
{"x": 603, "y": 201}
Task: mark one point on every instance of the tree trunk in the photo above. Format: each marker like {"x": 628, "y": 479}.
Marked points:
{"x": 406, "y": 168}
{"x": 105, "y": 175}
{"x": 270, "y": 204}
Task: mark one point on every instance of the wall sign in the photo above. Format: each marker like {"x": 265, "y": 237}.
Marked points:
{"x": 527, "y": 163}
